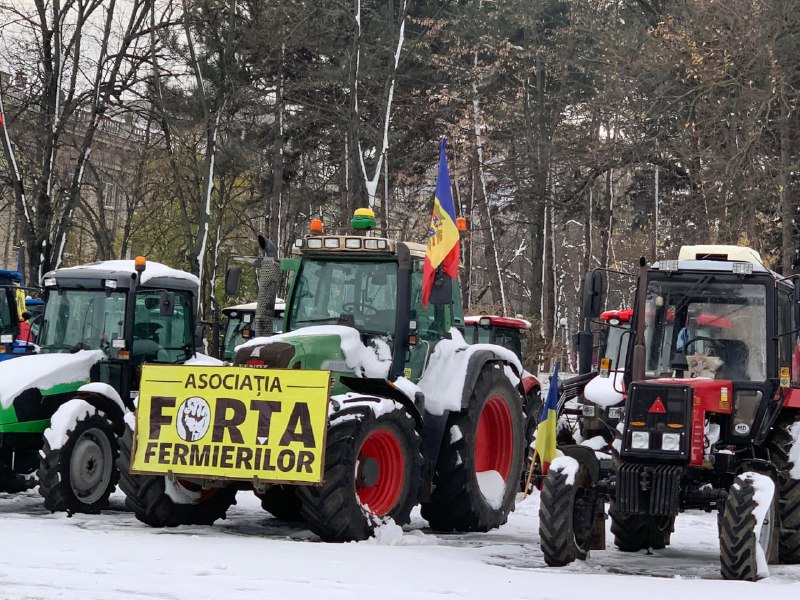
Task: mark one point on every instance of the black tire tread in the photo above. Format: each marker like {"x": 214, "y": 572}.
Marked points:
{"x": 556, "y": 519}
{"x": 780, "y": 444}
{"x": 737, "y": 540}
{"x": 53, "y": 472}
{"x": 332, "y": 510}
{"x": 147, "y": 498}
{"x": 457, "y": 503}
{"x": 281, "y": 502}
{"x": 639, "y": 532}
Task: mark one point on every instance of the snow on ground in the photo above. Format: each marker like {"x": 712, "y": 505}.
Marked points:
{"x": 250, "y": 555}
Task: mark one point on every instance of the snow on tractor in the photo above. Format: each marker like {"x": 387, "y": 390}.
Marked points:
{"x": 101, "y": 322}
{"x": 712, "y": 418}
{"x": 12, "y": 307}
{"x": 416, "y": 415}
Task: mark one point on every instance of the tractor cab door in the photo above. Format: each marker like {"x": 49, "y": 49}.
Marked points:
{"x": 158, "y": 336}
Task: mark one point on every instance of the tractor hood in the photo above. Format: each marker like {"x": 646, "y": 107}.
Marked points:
{"x": 330, "y": 348}
{"x": 44, "y": 372}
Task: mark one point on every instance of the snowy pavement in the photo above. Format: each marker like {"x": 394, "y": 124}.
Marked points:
{"x": 250, "y": 555}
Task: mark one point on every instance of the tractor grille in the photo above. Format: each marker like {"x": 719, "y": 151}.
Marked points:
{"x": 276, "y": 355}
{"x": 652, "y": 490}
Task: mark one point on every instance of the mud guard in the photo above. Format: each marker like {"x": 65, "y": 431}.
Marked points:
{"x": 476, "y": 363}
{"x": 374, "y": 386}
{"x": 107, "y": 406}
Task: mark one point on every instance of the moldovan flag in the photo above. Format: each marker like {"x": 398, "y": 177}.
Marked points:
{"x": 443, "y": 238}
{"x": 548, "y": 425}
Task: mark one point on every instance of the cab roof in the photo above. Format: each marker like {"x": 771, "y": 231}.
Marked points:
{"x": 512, "y": 322}
{"x": 154, "y": 275}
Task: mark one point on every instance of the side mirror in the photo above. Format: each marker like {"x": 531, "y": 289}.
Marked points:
{"x": 269, "y": 249}
{"x": 594, "y": 291}
{"x": 796, "y": 303}
{"x": 442, "y": 292}
{"x": 199, "y": 330}
{"x": 232, "y": 278}
{"x": 584, "y": 342}
{"x": 166, "y": 304}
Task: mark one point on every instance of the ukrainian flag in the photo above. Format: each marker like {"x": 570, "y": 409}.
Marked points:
{"x": 443, "y": 238}
{"x": 548, "y": 425}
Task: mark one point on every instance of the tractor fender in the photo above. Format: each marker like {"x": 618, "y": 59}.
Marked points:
{"x": 477, "y": 361}
{"x": 759, "y": 465}
{"x": 342, "y": 405}
{"x": 585, "y": 456}
{"x": 105, "y": 399}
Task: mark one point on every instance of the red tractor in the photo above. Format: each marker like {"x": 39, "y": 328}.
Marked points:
{"x": 712, "y": 418}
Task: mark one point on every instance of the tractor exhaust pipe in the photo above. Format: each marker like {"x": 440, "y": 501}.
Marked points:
{"x": 269, "y": 277}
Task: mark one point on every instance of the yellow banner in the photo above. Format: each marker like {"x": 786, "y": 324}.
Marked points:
{"x": 232, "y": 423}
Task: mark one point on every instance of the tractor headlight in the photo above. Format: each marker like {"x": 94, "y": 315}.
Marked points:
{"x": 616, "y": 412}
{"x": 671, "y": 441}
{"x": 588, "y": 410}
{"x": 314, "y": 243}
{"x": 640, "y": 440}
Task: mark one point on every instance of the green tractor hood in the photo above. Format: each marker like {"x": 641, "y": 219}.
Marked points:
{"x": 332, "y": 348}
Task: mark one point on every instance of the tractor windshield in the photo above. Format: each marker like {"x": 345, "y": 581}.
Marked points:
{"x": 701, "y": 327}
{"x": 358, "y": 294}
{"x": 82, "y": 320}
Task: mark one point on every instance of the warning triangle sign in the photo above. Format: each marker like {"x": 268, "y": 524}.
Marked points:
{"x": 658, "y": 407}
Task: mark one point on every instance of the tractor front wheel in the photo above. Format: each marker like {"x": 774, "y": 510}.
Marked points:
{"x": 748, "y": 536}
{"x": 159, "y": 502}
{"x": 566, "y": 513}
{"x": 782, "y": 442}
{"x": 478, "y": 469}
{"x": 77, "y": 472}
{"x": 372, "y": 474}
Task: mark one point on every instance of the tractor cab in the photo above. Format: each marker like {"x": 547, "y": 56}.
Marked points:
{"x": 134, "y": 312}
{"x": 372, "y": 285}
{"x": 503, "y": 331}
{"x": 240, "y": 325}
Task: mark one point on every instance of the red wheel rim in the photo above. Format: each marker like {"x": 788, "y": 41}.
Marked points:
{"x": 383, "y": 446}
{"x": 494, "y": 441}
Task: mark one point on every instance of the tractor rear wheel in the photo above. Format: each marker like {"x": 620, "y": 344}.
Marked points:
{"x": 372, "y": 474}
{"x": 640, "y": 532}
{"x": 740, "y": 534}
{"x": 159, "y": 502}
{"x": 784, "y": 437}
{"x": 77, "y": 472}
{"x": 566, "y": 514}
{"x": 477, "y": 472}
{"x": 281, "y": 502}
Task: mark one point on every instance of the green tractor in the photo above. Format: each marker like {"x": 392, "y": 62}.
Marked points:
{"x": 416, "y": 414}
{"x": 61, "y": 411}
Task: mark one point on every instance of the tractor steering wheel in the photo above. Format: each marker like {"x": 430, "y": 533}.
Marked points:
{"x": 712, "y": 341}
{"x": 366, "y": 309}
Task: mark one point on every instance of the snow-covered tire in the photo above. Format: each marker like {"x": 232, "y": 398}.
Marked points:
{"x": 737, "y": 536}
{"x": 79, "y": 474}
{"x": 780, "y": 444}
{"x": 566, "y": 516}
{"x": 150, "y": 500}
{"x": 349, "y": 504}
{"x": 281, "y": 502}
{"x": 640, "y": 532}
{"x": 483, "y": 447}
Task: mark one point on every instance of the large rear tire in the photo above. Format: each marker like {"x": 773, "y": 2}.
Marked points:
{"x": 738, "y": 542}
{"x": 640, "y": 532}
{"x": 566, "y": 515}
{"x": 372, "y": 474}
{"x": 477, "y": 472}
{"x": 158, "y": 502}
{"x": 77, "y": 473}
{"x": 780, "y": 444}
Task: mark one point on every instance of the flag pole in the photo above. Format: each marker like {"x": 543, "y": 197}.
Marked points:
{"x": 530, "y": 475}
